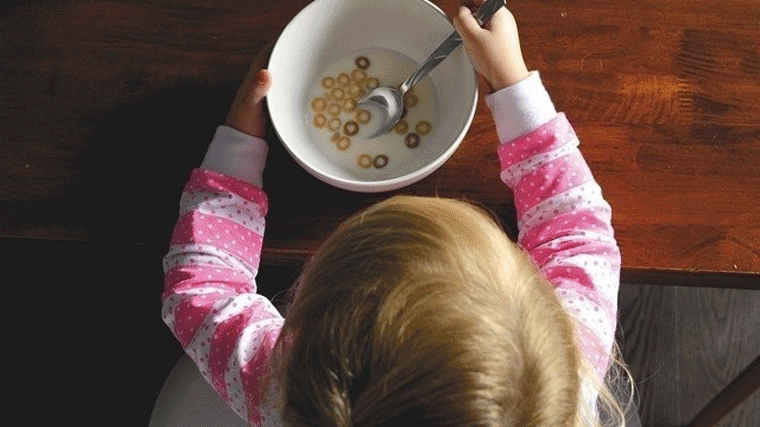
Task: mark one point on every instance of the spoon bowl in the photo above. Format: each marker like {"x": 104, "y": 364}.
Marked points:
{"x": 386, "y": 101}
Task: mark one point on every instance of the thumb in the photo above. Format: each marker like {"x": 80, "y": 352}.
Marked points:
{"x": 263, "y": 84}
{"x": 466, "y": 25}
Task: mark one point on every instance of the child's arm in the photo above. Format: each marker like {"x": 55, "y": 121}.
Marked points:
{"x": 210, "y": 301}
{"x": 564, "y": 223}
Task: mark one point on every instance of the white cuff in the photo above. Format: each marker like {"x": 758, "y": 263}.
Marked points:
{"x": 237, "y": 154}
{"x": 520, "y": 108}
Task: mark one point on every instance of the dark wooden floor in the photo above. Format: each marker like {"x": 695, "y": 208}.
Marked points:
{"x": 684, "y": 345}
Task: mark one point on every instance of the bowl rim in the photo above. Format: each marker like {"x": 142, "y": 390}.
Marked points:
{"x": 385, "y": 184}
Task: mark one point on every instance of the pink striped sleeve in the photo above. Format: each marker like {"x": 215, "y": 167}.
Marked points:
{"x": 565, "y": 226}
{"x": 209, "y": 300}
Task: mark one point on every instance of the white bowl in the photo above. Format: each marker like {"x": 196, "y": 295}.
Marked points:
{"x": 326, "y": 31}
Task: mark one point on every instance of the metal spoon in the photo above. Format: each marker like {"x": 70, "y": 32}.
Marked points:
{"x": 390, "y": 101}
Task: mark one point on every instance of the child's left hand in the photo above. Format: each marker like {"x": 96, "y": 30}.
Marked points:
{"x": 247, "y": 111}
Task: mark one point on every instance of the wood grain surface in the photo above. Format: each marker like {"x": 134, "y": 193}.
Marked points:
{"x": 684, "y": 345}
{"x": 106, "y": 106}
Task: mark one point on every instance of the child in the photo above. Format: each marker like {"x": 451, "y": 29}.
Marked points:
{"x": 416, "y": 311}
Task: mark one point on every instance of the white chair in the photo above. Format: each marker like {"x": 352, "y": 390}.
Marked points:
{"x": 187, "y": 400}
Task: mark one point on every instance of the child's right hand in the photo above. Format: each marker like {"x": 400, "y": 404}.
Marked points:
{"x": 494, "y": 49}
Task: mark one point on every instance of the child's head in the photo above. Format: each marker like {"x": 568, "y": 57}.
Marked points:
{"x": 420, "y": 311}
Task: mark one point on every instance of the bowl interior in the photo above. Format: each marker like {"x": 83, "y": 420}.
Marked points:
{"x": 328, "y": 30}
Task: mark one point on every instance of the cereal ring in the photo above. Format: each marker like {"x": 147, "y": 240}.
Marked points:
{"x": 422, "y": 127}
{"x": 362, "y": 116}
{"x": 318, "y": 104}
{"x": 411, "y": 100}
{"x": 338, "y": 93}
{"x": 334, "y": 124}
{"x": 335, "y": 137}
{"x": 349, "y": 105}
{"x": 362, "y": 62}
{"x": 351, "y": 128}
{"x": 372, "y": 83}
{"x": 365, "y": 161}
{"x": 333, "y": 109}
{"x": 380, "y": 161}
{"x": 354, "y": 90}
{"x": 343, "y": 143}
{"x": 401, "y": 127}
{"x": 358, "y": 75}
{"x": 412, "y": 140}
{"x": 403, "y": 112}
{"x": 319, "y": 121}
{"x": 328, "y": 82}
{"x": 343, "y": 79}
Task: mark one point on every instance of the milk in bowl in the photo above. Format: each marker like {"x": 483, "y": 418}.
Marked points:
{"x": 340, "y": 128}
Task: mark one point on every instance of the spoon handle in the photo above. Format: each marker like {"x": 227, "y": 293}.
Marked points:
{"x": 482, "y": 15}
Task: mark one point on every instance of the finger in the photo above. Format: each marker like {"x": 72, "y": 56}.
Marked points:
{"x": 258, "y": 63}
{"x": 466, "y": 25}
{"x": 500, "y": 20}
{"x": 263, "y": 84}
{"x": 496, "y": 20}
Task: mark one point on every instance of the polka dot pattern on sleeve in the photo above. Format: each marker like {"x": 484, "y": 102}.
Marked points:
{"x": 222, "y": 343}
{"x": 254, "y": 369}
{"x": 191, "y": 254}
{"x": 571, "y": 291}
{"x": 512, "y": 174}
{"x": 253, "y": 337}
{"x": 224, "y": 233}
{"x": 588, "y": 224}
{"x": 184, "y": 280}
{"x": 196, "y": 254}
{"x": 551, "y": 179}
{"x": 173, "y": 299}
{"x": 190, "y": 316}
{"x": 227, "y": 336}
{"x": 211, "y": 181}
{"x": 546, "y": 138}
{"x": 594, "y": 350}
{"x": 573, "y": 250}
{"x": 565, "y": 227}
{"x": 225, "y": 205}
{"x": 209, "y": 299}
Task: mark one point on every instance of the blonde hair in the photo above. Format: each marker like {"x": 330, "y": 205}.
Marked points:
{"x": 421, "y": 312}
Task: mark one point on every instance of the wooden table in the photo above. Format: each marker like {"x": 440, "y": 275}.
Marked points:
{"x": 105, "y": 107}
